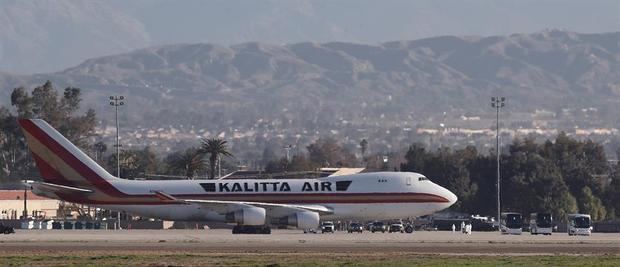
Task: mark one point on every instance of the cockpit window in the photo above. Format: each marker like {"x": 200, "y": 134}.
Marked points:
{"x": 422, "y": 178}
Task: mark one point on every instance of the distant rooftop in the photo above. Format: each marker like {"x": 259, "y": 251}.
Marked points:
{"x": 323, "y": 172}
{"x": 19, "y": 195}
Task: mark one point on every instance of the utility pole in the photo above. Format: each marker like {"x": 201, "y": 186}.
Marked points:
{"x": 25, "y": 213}
{"x": 498, "y": 103}
{"x": 116, "y": 101}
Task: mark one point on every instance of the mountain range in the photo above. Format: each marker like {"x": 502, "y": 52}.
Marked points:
{"x": 48, "y": 36}
{"x": 309, "y": 84}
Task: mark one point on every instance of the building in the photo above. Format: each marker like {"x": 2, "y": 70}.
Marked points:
{"x": 12, "y": 205}
{"x": 322, "y": 172}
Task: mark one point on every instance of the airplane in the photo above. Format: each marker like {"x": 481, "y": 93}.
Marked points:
{"x": 70, "y": 175}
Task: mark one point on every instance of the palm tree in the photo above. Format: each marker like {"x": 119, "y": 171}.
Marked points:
{"x": 100, "y": 148}
{"x": 190, "y": 161}
{"x": 214, "y": 147}
{"x": 363, "y": 147}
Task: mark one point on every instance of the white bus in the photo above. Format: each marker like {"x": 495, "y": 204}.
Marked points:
{"x": 579, "y": 224}
{"x": 511, "y": 223}
{"x": 541, "y": 223}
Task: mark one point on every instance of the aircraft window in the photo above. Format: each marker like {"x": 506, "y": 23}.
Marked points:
{"x": 422, "y": 178}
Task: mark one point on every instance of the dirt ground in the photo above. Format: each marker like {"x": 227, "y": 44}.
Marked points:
{"x": 294, "y": 241}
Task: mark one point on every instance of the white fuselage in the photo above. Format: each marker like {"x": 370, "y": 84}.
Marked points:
{"x": 369, "y": 196}
{"x": 69, "y": 174}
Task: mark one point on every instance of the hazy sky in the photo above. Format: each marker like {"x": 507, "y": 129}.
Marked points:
{"x": 45, "y": 36}
{"x": 362, "y": 20}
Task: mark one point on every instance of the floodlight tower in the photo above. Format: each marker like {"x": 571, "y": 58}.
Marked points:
{"x": 116, "y": 101}
{"x": 497, "y": 103}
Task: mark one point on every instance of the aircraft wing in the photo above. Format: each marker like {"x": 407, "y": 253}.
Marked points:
{"x": 224, "y": 206}
{"x": 272, "y": 209}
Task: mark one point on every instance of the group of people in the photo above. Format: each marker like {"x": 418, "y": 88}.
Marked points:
{"x": 465, "y": 228}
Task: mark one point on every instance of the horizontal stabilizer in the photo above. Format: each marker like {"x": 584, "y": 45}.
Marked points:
{"x": 53, "y": 190}
{"x": 57, "y": 187}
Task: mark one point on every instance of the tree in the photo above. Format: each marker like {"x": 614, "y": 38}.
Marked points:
{"x": 579, "y": 162}
{"x": 415, "y": 159}
{"x": 591, "y": 204}
{"x": 189, "y": 162}
{"x": 215, "y": 147}
{"x": 128, "y": 163}
{"x": 100, "y": 148}
{"x": 446, "y": 168}
{"x": 612, "y": 195}
{"x": 298, "y": 163}
{"x": 44, "y": 104}
{"x": 276, "y": 166}
{"x": 22, "y": 101}
{"x": 327, "y": 152}
{"x": 136, "y": 163}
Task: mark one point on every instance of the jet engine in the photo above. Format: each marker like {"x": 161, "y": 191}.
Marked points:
{"x": 302, "y": 220}
{"x": 247, "y": 216}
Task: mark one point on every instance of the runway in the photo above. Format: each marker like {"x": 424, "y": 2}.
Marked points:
{"x": 295, "y": 241}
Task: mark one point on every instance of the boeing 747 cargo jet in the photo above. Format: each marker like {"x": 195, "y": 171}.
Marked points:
{"x": 70, "y": 175}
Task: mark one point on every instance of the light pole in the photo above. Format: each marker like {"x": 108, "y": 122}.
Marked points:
{"x": 497, "y": 103}
{"x": 287, "y": 148}
{"x": 116, "y": 101}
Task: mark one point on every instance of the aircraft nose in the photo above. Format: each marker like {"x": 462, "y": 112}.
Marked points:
{"x": 451, "y": 197}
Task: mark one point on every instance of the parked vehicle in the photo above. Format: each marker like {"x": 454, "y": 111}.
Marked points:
{"x": 327, "y": 227}
{"x": 511, "y": 223}
{"x": 579, "y": 224}
{"x": 378, "y": 227}
{"x": 541, "y": 223}
{"x": 355, "y": 227}
{"x": 397, "y": 227}
{"x": 6, "y": 229}
{"x": 409, "y": 228}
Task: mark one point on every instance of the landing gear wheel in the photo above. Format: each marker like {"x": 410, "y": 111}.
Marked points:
{"x": 251, "y": 229}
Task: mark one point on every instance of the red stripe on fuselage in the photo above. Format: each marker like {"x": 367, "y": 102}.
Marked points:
{"x": 300, "y": 198}
{"x": 48, "y": 172}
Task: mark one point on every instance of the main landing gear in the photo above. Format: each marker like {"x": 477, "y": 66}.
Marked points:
{"x": 251, "y": 229}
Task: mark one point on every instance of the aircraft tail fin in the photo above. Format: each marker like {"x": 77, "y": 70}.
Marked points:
{"x": 58, "y": 160}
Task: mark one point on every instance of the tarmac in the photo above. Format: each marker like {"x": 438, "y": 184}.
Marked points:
{"x": 295, "y": 241}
